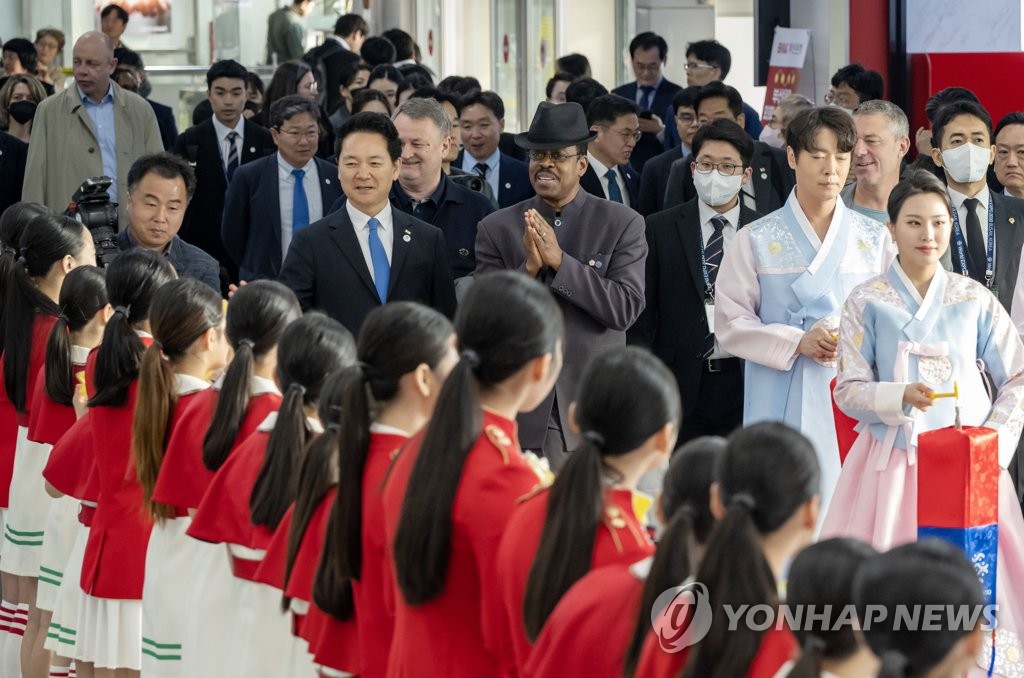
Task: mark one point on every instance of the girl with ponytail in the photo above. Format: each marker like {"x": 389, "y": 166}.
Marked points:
{"x": 251, "y": 492}
{"x": 926, "y": 573}
{"x": 110, "y": 614}
{"x": 591, "y": 515}
{"x": 79, "y": 328}
{"x": 49, "y": 248}
{"x": 405, "y": 354}
{"x": 823, "y": 575}
{"x": 187, "y": 321}
{"x": 12, "y": 224}
{"x": 450, "y": 496}
{"x": 766, "y": 499}
{"x": 611, "y": 603}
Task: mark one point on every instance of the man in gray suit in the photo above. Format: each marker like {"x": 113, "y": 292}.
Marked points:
{"x": 589, "y": 251}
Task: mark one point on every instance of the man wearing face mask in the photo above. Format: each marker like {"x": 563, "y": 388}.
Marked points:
{"x": 686, "y": 244}
{"x": 987, "y": 235}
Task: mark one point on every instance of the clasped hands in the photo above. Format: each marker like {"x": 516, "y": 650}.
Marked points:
{"x": 541, "y": 244}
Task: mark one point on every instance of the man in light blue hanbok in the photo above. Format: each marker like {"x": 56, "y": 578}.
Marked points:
{"x": 784, "y": 280}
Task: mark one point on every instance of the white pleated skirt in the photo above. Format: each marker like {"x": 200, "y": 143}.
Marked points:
{"x": 29, "y": 506}
{"x": 58, "y": 541}
{"x": 263, "y": 642}
{"x": 169, "y": 559}
{"x": 212, "y": 604}
{"x": 110, "y": 633}
{"x": 62, "y": 635}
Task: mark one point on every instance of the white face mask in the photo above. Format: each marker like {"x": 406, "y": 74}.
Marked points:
{"x": 772, "y": 137}
{"x": 966, "y": 163}
{"x": 716, "y": 190}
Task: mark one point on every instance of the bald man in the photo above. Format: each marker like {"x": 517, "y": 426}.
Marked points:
{"x": 91, "y": 129}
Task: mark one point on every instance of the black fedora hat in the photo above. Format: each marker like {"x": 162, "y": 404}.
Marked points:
{"x": 556, "y": 126}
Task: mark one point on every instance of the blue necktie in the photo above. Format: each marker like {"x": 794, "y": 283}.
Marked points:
{"x": 614, "y": 193}
{"x": 379, "y": 259}
{"x": 647, "y": 100}
{"x": 300, "y": 206}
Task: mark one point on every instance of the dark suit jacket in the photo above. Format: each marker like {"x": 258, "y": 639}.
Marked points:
{"x": 513, "y": 179}
{"x": 600, "y": 286}
{"x": 326, "y": 269}
{"x": 165, "y": 121}
{"x": 458, "y": 215}
{"x": 13, "y": 157}
{"x": 594, "y": 185}
{"x": 188, "y": 260}
{"x": 649, "y": 144}
{"x": 772, "y": 178}
{"x": 674, "y": 323}
{"x": 199, "y": 146}
{"x": 655, "y": 178}
{"x": 251, "y": 228}
{"x": 1009, "y": 224}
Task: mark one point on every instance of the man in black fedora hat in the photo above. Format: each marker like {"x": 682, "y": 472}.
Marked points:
{"x": 590, "y": 252}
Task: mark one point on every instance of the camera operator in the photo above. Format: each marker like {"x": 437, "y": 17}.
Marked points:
{"x": 159, "y": 188}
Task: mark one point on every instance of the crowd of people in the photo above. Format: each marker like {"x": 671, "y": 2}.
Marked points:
{"x": 367, "y": 386}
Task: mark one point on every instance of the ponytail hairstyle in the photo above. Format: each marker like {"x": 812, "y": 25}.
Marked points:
{"x": 132, "y": 280}
{"x": 929, "y": 572}
{"x": 767, "y": 472}
{"x": 614, "y": 422}
{"x": 686, "y": 507}
{"x": 394, "y": 340}
{"x": 505, "y": 321}
{"x": 183, "y": 310}
{"x": 46, "y": 240}
{"x": 82, "y": 296}
{"x": 257, "y": 315}
{"x": 12, "y": 225}
{"x": 822, "y": 575}
{"x": 318, "y": 470}
{"x": 311, "y": 348}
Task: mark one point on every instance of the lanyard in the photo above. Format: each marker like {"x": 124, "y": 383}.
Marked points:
{"x": 961, "y": 249}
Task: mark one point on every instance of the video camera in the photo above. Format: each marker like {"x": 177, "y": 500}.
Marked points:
{"x": 91, "y": 206}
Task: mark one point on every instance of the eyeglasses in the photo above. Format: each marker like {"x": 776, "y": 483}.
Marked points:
{"x": 726, "y": 169}
{"x": 556, "y": 156}
{"x": 647, "y": 68}
{"x": 692, "y": 66}
{"x": 840, "y": 99}
{"x": 686, "y": 118}
{"x": 295, "y": 135}
{"x": 627, "y": 135}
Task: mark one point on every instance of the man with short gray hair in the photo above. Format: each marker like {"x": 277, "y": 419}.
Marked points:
{"x": 883, "y": 138}
{"x": 424, "y": 191}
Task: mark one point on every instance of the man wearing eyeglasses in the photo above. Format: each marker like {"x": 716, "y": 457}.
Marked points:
{"x": 709, "y": 61}
{"x": 687, "y": 243}
{"x": 590, "y": 252}
{"x": 651, "y": 91}
{"x": 271, "y": 199}
{"x": 614, "y": 120}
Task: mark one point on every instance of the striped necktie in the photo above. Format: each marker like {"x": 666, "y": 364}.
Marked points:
{"x": 232, "y": 163}
{"x": 712, "y": 260}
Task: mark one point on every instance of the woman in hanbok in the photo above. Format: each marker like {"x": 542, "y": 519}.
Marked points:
{"x": 904, "y": 336}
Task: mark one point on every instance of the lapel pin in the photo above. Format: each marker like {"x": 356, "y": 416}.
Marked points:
{"x": 1012, "y": 220}
{"x": 591, "y": 262}
{"x": 508, "y": 185}
{"x": 408, "y": 236}
{"x": 327, "y": 181}
{"x": 252, "y": 149}
{"x": 463, "y": 252}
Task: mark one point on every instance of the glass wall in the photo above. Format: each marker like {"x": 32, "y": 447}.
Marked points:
{"x": 506, "y": 51}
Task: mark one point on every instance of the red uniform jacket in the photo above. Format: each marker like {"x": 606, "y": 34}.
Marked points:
{"x": 621, "y": 538}
{"x": 777, "y": 647}
{"x": 10, "y": 420}
{"x": 183, "y": 478}
{"x": 444, "y": 637}
{"x": 50, "y": 420}
{"x": 71, "y": 467}
{"x": 598, "y": 613}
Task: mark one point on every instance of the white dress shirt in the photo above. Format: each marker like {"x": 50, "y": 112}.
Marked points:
{"x": 601, "y": 169}
{"x": 286, "y": 190}
{"x": 707, "y": 213}
{"x": 386, "y": 232}
{"x": 222, "y": 139}
{"x": 957, "y": 198}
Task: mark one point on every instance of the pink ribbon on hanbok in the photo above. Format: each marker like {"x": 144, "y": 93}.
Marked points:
{"x": 901, "y": 375}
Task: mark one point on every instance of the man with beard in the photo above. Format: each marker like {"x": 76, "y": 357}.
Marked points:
{"x": 590, "y": 252}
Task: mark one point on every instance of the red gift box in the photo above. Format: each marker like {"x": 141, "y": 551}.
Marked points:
{"x": 958, "y": 477}
{"x": 846, "y": 436}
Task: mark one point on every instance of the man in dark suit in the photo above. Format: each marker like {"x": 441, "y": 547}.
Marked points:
{"x": 651, "y": 91}
{"x": 614, "y": 120}
{"x": 13, "y": 157}
{"x": 590, "y": 252}
{"x": 272, "y": 199}
{"x": 159, "y": 188}
{"x": 963, "y": 149}
{"x": 216, "y": 148}
{"x": 772, "y": 179}
{"x": 424, "y": 191}
{"x": 338, "y": 49}
{"x": 131, "y": 75}
{"x": 482, "y": 121}
{"x": 654, "y": 179}
{"x": 368, "y": 253}
{"x": 686, "y": 247}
